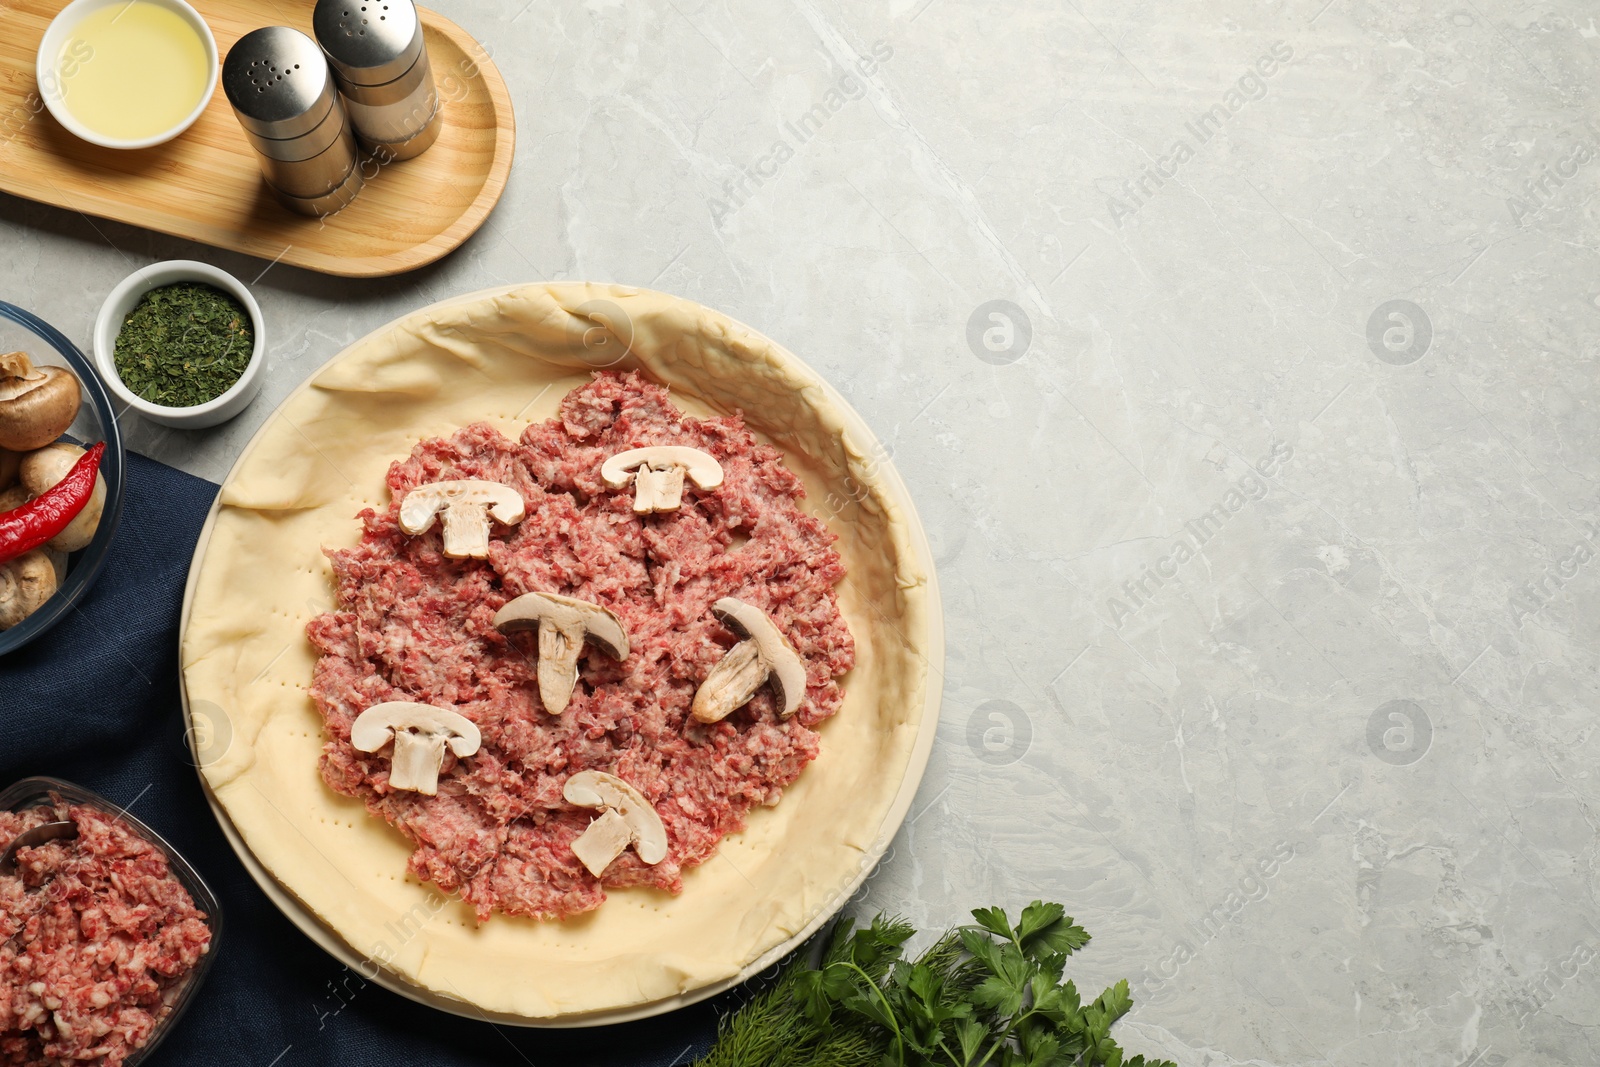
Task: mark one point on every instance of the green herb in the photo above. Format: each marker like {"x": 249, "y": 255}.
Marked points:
{"x": 184, "y": 344}
{"x": 989, "y": 995}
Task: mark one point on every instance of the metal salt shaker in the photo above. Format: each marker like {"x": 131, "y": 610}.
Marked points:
{"x": 284, "y": 96}
{"x": 376, "y": 51}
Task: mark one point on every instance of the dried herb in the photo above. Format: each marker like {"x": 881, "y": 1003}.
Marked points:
{"x": 184, "y": 344}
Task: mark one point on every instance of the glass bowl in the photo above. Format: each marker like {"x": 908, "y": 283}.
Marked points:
{"x": 96, "y": 421}
{"x": 35, "y": 792}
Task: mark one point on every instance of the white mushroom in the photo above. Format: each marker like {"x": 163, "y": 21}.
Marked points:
{"x": 467, "y": 504}
{"x": 764, "y": 655}
{"x": 628, "y": 819}
{"x": 658, "y": 485}
{"x": 420, "y": 733}
{"x": 563, "y": 623}
{"x": 41, "y": 469}
{"x": 25, "y": 584}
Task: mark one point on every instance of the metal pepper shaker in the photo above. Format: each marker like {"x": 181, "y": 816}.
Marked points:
{"x": 376, "y": 50}
{"x": 284, "y": 96}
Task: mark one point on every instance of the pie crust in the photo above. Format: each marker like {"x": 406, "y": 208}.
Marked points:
{"x": 507, "y": 357}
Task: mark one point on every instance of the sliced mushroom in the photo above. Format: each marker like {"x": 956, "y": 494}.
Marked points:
{"x": 37, "y": 404}
{"x": 563, "y": 623}
{"x": 628, "y": 819}
{"x": 42, "y": 469}
{"x": 467, "y": 504}
{"x": 658, "y": 485}
{"x": 25, "y": 584}
{"x": 420, "y": 733}
{"x": 763, "y": 655}
{"x": 603, "y": 841}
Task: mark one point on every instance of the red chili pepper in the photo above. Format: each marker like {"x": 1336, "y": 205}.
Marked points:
{"x": 26, "y": 528}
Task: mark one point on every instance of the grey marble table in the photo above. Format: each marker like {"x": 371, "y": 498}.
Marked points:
{"x": 1241, "y": 358}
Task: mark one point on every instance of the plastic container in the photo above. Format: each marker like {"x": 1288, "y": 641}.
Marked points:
{"x": 96, "y": 421}
{"x": 35, "y": 792}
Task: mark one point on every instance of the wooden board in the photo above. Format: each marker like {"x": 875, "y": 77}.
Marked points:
{"x": 206, "y": 185}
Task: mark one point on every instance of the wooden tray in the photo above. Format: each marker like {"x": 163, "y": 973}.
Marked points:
{"x": 206, "y": 185}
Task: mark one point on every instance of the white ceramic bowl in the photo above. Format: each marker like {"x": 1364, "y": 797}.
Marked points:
{"x": 122, "y": 300}
{"x": 52, "y": 90}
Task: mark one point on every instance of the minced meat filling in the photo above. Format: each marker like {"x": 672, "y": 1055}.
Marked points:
{"x": 415, "y": 625}
{"x": 98, "y": 936}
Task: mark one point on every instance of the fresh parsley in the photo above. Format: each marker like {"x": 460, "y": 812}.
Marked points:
{"x": 990, "y": 994}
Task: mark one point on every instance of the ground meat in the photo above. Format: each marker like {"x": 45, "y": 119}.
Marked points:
{"x": 99, "y": 936}
{"x": 414, "y": 625}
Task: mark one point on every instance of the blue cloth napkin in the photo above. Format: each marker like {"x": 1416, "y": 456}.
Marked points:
{"x": 95, "y": 701}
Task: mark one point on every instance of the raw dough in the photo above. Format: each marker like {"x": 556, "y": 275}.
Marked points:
{"x": 507, "y": 357}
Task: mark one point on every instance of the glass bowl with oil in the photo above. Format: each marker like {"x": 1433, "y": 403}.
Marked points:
{"x": 127, "y": 73}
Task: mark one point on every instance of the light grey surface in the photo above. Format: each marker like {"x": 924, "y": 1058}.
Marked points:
{"x": 1325, "y": 795}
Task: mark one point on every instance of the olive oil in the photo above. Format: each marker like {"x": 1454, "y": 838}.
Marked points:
{"x": 132, "y": 70}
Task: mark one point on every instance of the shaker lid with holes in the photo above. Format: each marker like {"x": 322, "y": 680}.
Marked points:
{"x": 369, "y": 42}
{"x": 278, "y": 82}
